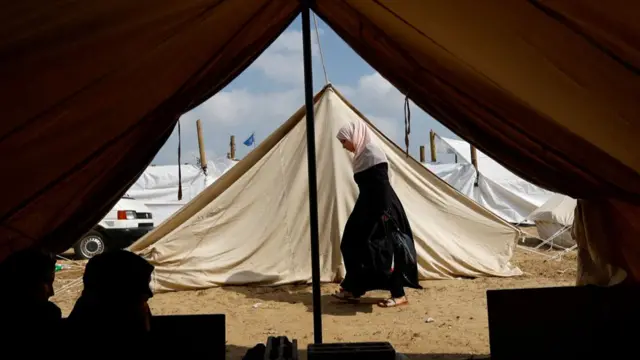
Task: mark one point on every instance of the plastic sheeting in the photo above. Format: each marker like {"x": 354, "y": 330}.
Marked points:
{"x": 251, "y": 226}
{"x": 555, "y": 217}
{"x": 158, "y": 186}
{"x": 558, "y": 209}
{"x": 498, "y": 189}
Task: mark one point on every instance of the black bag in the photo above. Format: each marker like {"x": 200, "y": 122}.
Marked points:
{"x": 405, "y": 257}
{"x": 378, "y": 261}
{"x": 403, "y": 251}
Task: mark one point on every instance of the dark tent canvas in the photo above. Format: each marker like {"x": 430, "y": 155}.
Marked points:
{"x": 90, "y": 92}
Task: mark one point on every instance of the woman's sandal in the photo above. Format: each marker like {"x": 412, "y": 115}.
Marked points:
{"x": 389, "y": 303}
{"x": 344, "y": 296}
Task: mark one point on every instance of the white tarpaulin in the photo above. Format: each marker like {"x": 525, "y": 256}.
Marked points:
{"x": 555, "y": 217}
{"x": 460, "y": 176}
{"x": 158, "y": 185}
{"x": 252, "y": 225}
{"x": 498, "y": 189}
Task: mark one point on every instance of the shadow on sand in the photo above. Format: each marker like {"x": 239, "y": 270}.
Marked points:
{"x": 293, "y": 294}
{"x": 237, "y": 352}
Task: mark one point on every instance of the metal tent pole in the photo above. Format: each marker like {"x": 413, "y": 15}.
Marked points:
{"x": 311, "y": 161}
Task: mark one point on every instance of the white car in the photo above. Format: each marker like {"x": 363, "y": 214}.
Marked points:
{"x": 129, "y": 220}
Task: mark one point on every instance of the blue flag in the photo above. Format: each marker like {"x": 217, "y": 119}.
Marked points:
{"x": 250, "y": 140}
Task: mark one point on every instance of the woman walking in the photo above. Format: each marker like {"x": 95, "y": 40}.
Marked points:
{"x": 365, "y": 235}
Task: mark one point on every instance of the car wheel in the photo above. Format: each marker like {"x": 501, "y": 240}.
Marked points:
{"x": 90, "y": 245}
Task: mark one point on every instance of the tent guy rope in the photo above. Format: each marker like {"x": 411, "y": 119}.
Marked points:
{"x": 407, "y": 122}
{"x": 324, "y": 69}
{"x": 179, "y": 163}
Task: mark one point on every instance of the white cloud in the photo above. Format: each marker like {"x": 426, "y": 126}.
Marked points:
{"x": 282, "y": 61}
{"x": 241, "y": 111}
{"x": 380, "y": 102}
{"x": 384, "y": 105}
{"x": 234, "y": 112}
{"x": 282, "y": 68}
{"x": 375, "y": 95}
{"x": 241, "y": 106}
{"x": 386, "y": 125}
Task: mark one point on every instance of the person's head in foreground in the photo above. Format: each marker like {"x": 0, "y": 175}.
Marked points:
{"x": 116, "y": 291}
{"x": 27, "y": 276}
{"x": 357, "y": 138}
{"x": 118, "y": 274}
{"x": 27, "y": 315}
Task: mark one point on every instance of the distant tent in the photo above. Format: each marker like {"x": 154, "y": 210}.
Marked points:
{"x": 555, "y": 219}
{"x": 251, "y": 226}
{"x": 158, "y": 185}
{"x": 498, "y": 189}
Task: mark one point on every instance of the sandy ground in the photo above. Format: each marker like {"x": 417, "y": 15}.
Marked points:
{"x": 457, "y": 308}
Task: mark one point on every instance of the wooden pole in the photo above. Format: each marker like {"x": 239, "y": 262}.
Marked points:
{"x": 422, "y": 156}
{"x": 232, "y": 148}
{"x": 474, "y": 162}
{"x": 432, "y": 143}
{"x": 203, "y": 155}
{"x": 474, "y": 157}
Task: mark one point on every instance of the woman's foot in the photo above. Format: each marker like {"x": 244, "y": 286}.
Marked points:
{"x": 393, "y": 302}
{"x": 345, "y": 295}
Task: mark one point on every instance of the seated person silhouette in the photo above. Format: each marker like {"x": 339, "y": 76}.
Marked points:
{"x": 255, "y": 353}
{"x": 27, "y": 278}
{"x": 113, "y": 305}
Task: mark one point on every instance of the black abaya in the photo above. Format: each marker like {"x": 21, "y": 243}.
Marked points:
{"x": 376, "y": 199}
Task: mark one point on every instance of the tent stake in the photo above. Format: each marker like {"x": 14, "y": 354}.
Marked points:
{"x": 311, "y": 161}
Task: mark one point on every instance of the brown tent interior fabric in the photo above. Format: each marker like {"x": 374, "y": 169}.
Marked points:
{"x": 91, "y": 91}
{"x": 606, "y": 232}
{"x": 521, "y": 85}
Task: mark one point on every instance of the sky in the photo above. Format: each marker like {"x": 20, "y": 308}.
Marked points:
{"x": 265, "y": 95}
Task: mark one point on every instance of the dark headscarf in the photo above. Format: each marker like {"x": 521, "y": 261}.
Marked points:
{"x": 25, "y": 268}
{"x": 27, "y": 278}
{"x": 117, "y": 273}
{"x": 113, "y": 302}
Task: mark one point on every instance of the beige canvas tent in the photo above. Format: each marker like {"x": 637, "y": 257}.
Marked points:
{"x": 251, "y": 226}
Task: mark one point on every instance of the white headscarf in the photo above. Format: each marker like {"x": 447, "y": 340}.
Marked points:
{"x": 366, "y": 154}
